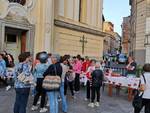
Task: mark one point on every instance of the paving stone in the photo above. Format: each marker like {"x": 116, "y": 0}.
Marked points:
{"x": 114, "y": 104}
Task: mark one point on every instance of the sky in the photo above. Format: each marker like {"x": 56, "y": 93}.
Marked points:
{"x": 114, "y": 11}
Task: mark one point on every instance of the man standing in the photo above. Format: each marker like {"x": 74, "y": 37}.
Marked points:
{"x": 131, "y": 67}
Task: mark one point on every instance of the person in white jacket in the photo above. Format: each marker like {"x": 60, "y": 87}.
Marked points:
{"x": 145, "y": 87}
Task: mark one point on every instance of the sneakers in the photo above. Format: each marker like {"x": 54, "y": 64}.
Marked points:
{"x": 43, "y": 110}
{"x": 39, "y": 101}
{"x": 47, "y": 105}
{"x": 7, "y": 88}
{"x": 86, "y": 99}
{"x": 34, "y": 108}
{"x": 77, "y": 92}
{"x": 91, "y": 105}
{"x": 73, "y": 97}
{"x": 97, "y": 104}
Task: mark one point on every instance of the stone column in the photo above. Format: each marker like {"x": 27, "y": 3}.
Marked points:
{"x": 0, "y": 37}
{"x": 148, "y": 8}
{"x": 49, "y": 23}
{"x": 147, "y": 59}
{"x": 147, "y": 39}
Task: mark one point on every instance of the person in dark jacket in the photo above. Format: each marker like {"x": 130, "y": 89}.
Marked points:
{"x": 54, "y": 69}
{"x": 97, "y": 79}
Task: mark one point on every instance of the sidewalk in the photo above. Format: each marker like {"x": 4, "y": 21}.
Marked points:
{"x": 115, "y": 104}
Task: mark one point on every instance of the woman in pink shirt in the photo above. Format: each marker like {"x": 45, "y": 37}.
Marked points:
{"x": 77, "y": 69}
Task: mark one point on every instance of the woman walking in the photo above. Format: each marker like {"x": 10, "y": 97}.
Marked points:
{"x": 145, "y": 87}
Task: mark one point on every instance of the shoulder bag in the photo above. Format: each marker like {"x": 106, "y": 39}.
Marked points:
{"x": 137, "y": 100}
{"x": 23, "y": 78}
{"x": 52, "y": 82}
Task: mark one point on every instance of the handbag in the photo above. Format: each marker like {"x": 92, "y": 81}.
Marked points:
{"x": 52, "y": 82}
{"x": 137, "y": 100}
{"x": 23, "y": 78}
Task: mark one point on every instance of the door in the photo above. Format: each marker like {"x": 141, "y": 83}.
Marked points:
{"x": 13, "y": 45}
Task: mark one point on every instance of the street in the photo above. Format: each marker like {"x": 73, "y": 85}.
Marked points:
{"x": 115, "y": 104}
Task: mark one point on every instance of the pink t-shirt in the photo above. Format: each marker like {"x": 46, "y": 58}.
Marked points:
{"x": 77, "y": 67}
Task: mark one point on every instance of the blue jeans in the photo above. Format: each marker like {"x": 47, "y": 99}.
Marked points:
{"x": 53, "y": 101}
{"x": 22, "y": 95}
{"x": 64, "y": 102}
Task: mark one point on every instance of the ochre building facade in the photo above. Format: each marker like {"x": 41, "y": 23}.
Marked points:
{"x": 57, "y": 26}
{"x": 140, "y": 30}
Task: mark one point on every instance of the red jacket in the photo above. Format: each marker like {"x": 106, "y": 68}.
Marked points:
{"x": 85, "y": 66}
{"x": 89, "y": 71}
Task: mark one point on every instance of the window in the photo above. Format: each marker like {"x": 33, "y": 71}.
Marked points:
{"x": 79, "y": 10}
{"x": 11, "y": 38}
{"x": 82, "y": 11}
{"x": 22, "y": 2}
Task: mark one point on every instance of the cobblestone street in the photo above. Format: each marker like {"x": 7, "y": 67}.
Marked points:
{"x": 115, "y": 104}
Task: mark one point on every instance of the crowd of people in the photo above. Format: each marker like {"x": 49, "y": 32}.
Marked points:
{"x": 68, "y": 68}
{"x": 29, "y": 74}
{"x": 6, "y": 68}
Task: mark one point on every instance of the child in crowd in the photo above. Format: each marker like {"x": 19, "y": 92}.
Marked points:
{"x": 69, "y": 81}
{"x": 97, "y": 79}
{"x": 88, "y": 75}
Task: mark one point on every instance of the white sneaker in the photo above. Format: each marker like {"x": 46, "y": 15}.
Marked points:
{"x": 47, "y": 105}
{"x": 73, "y": 97}
{"x": 43, "y": 110}
{"x": 39, "y": 101}
{"x": 86, "y": 99}
{"x": 34, "y": 108}
{"x": 91, "y": 105}
{"x": 97, "y": 104}
{"x": 7, "y": 88}
{"x": 77, "y": 92}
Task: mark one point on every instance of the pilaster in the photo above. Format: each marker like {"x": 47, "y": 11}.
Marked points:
{"x": 147, "y": 59}
{"x": 49, "y": 22}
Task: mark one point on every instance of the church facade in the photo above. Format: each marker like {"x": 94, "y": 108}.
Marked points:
{"x": 57, "y": 26}
{"x": 78, "y": 27}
